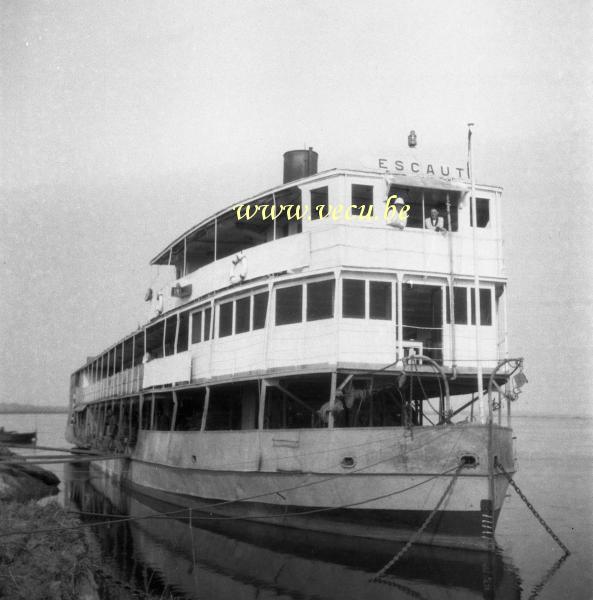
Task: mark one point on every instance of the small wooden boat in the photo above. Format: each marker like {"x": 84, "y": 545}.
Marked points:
{"x": 15, "y": 437}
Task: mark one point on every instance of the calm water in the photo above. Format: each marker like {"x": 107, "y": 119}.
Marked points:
{"x": 240, "y": 561}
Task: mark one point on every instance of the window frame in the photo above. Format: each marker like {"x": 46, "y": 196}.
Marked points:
{"x": 356, "y": 212}
{"x": 247, "y": 297}
{"x": 315, "y": 215}
{"x": 285, "y": 286}
{"x": 309, "y": 282}
{"x": 365, "y": 297}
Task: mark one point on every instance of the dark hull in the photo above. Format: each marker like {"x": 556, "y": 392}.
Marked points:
{"x": 13, "y": 437}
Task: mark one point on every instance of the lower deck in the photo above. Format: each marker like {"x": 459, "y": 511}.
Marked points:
{"x": 416, "y": 394}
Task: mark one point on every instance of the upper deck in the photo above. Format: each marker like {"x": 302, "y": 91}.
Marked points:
{"x": 281, "y": 231}
{"x": 319, "y": 275}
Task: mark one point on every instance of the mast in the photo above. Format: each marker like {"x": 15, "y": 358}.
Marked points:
{"x": 480, "y": 378}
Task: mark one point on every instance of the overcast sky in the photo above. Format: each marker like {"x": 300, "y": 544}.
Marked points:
{"x": 124, "y": 123}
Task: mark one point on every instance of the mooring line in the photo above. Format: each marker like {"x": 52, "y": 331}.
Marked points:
{"x": 230, "y": 518}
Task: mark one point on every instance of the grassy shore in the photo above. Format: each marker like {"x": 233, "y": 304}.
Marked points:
{"x": 52, "y": 565}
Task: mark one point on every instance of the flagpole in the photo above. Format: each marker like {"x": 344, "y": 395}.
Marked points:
{"x": 478, "y": 316}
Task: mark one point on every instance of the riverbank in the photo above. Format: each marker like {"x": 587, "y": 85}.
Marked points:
{"x": 54, "y": 560}
{"x": 22, "y": 482}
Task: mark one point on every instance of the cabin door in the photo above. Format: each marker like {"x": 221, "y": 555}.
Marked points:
{"x": 422, "y": 315}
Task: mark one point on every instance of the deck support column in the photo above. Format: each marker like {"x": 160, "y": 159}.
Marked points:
{"x": 400, "y": 320}
{"x": 262, "y": 404}
{"x": 332, "y": 400}
{"x": 175, "y": 405}
{"x": 205, "y": 412}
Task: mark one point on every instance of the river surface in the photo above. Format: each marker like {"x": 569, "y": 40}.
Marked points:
{"x": 166, "y": 558}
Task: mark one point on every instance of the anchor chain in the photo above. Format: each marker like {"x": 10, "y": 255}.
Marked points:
{"x": 531, "y": 507}
{"x": 424, "y": 525}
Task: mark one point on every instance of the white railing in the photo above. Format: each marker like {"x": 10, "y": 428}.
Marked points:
{"x": 126, "y": 382}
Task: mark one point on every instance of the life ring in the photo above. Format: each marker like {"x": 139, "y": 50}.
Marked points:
{"x": 238, "y": 268}
{"x": 148, "y": 295}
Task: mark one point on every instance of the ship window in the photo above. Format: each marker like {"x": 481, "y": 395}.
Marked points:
{"x": 170, "y": 327}
{"x": 319, "y": 203}
{"x": 482, "y": 210}
{"x": 105, "y": 365}
{"x": 289, "y": 222}
{"x": 380, "y": 300}
{"x": 200, "y": 248}
{"x": 154, "y": 339}
{"x": 138, "y": 348}
{"x": 289, "y": 305}
{"x": 460, "y": 298}
{"x": 117, "y": 359}
{"x": 196, "y": 327}
{"x": 485, "y": 306}
{"x": 437, "y": 199}
{"x": 260, "y": 308}
{"x": 183, "y": 332}
{"x": 190, "y": 407}
{"x": 242, "y": 313}
{"x": 353, "y": 298}
{"x": 362, "y": 200}
{"x": 320, "y": 300}
{"x": 128, "y": 352}
{"x": 225, "y": 323}
{"x": 207, "y": 320}
{"x": 412, "y": 198}
{"x": 421, "y": 201}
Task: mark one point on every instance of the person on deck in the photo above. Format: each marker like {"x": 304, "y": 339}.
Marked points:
{"x": 435, "y": 221}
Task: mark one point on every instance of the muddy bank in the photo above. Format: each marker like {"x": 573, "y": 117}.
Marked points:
{"x": 23, "y": 482}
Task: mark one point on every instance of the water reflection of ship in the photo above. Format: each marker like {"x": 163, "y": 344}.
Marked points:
{"x": 239, "y": 559}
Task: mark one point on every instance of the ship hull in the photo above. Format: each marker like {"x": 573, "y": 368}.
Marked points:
{"x": 390, "y": 484}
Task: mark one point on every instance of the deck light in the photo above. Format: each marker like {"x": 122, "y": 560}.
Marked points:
{"x": 412, "y": 139}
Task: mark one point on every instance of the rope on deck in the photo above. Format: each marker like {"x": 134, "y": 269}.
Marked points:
{"x": 530, "y": 506}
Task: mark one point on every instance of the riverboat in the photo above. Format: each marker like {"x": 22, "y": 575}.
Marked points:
{"x": 17, "y": 437}
{"x": 328, "y": 355}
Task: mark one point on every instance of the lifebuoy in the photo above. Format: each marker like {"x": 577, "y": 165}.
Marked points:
{"x": 238, "y": 268}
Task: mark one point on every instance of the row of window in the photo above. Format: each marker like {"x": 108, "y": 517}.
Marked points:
{"x": 460, "y": 301}
{"x": 239, "y": 316}
{"x": 421, "y": 203}
{"x": 310, "y": 301}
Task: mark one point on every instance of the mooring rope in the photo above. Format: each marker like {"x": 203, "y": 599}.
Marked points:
{"x": 117, "y": 519}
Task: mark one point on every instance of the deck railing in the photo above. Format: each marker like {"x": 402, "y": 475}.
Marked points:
{"x": 124, "y": 383}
